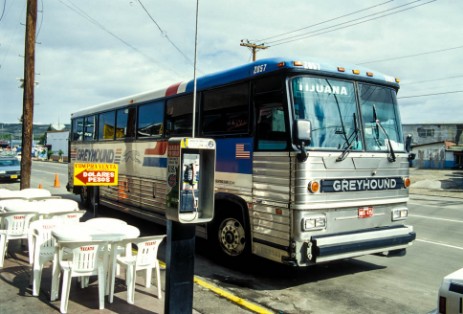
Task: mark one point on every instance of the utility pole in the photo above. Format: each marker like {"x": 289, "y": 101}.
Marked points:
{"x": 253, "y": 46}
{"x": 28, "y": 94}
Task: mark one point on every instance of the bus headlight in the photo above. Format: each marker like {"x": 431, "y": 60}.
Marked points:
{"x": 313, "y": 223}
{"x": 399, "y": 213}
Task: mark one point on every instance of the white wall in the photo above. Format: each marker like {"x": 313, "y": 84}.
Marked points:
{"x": 58, "y": 140}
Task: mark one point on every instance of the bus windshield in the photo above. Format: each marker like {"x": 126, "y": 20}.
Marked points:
{"x": 331, "y": 106}
{"x": 380, "y": 117}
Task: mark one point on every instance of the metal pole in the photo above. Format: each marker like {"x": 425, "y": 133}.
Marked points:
{"x": 194, "y": 72}
{"x": 180, "y": 250}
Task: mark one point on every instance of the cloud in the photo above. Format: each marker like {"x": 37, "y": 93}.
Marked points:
{"x": 91, "y": 52}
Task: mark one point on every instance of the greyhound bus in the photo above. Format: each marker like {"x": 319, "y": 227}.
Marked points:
{"x": 311, "y": 162}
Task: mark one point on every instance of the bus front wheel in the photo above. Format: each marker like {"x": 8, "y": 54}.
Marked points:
{"x": 230, "y": 236}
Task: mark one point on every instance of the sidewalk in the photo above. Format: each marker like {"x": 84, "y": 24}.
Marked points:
{"x": 16, "y": 293}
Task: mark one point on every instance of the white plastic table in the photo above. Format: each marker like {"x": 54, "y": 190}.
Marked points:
{"x": 28, "y": 194}
{"x": 112, "y": 232}
{"x": 42, "y": 207}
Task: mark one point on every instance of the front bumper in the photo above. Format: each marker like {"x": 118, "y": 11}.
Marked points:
{"x": 323, "y": 248}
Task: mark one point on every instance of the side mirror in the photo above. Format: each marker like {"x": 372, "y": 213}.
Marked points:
{"x": 408, "y": 143}
{"x": 303, "y": 131}
{"x": 303, "y": 136}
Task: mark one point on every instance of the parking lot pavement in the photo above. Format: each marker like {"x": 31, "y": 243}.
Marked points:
{"x": 16, "y": 294}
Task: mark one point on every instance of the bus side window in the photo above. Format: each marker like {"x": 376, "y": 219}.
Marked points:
{"x": 106, "y": 125}
{"x": 150, "y": 119}
{"x": 77, "y": 129}
{"x": 125, "y": 123}
{"x": 271, "y": 131}
{"x": 179, "y": 115}
{"x": 226, "y": 110}
{"x": 89, "y": 128}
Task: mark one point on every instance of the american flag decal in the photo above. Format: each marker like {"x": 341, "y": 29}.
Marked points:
{"x": 241, "y": 153}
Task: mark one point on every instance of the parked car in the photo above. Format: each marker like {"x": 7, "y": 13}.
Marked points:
{"x": 10, "y": 168}
{"x": 451, "y": 293}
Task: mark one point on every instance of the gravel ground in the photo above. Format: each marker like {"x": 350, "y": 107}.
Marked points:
{"x": 440, "y": 182}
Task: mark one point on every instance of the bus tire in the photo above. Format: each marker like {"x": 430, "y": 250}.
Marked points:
{"x": 229, "y": 235}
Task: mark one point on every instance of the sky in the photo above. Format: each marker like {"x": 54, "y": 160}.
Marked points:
{"x": 93, "y": 51}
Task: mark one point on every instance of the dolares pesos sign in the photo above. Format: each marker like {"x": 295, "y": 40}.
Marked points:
{"x": 91, "y": 174}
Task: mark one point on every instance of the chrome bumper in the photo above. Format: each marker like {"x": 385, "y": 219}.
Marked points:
{"x": 323, "y": 248}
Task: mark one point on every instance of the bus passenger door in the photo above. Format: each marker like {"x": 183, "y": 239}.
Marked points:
{"x": 270, "y": 218}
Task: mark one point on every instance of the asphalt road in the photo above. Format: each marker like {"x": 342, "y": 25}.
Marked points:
{"x": 370, "y": 284}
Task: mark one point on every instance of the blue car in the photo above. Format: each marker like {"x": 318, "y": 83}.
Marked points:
{"x": 10, "y": 168}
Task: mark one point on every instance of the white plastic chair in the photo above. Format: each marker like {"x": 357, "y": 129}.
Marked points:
{"x": 43, "y": 249}
{"x": 14, "y": 226}
{"x": 145, "y": 259}
{"x": 64, "y": 217}
{"x": 88, "y": 258}
{"x": 67, "y": 217}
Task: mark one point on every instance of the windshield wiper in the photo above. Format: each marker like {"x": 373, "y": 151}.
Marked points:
{"x": 350, "y": 140}
{"x": 391, "y": 157}
{"x": 343, "y": 131}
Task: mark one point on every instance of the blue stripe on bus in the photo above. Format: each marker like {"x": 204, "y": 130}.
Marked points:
{"x": 263, "y": 66}
{"x": 234, "y": 155}
{"x": 154, "y": 162}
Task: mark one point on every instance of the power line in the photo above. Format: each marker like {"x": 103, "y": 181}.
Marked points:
{"x": 3, "y": 11}
{"x": 324, "y": 22}
{"x": 164, "y": 34}
{"x": 41, "y": 20}
{"x": 86, "y": 16}
{"x": 343, "y": 25}
{"x": 432, "y": 80}
{"x": 413, "y": 55}
{"x": 435, "y": 94}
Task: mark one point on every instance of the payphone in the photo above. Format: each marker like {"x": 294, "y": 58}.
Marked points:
{"x": 190, "y": 180}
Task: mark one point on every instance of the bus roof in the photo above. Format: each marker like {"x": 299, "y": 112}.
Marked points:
{"x": 249, "y": 70}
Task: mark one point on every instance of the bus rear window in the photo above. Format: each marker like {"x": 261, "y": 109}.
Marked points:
{"x": 77, "y": 129}
{"x": 89, "y": 128}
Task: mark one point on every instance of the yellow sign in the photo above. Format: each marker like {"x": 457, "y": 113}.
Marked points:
{"x": 89, "y": 174}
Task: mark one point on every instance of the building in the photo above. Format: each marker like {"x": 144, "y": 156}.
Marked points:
{"x": 436, "y": 145}
{"x": 57, "y": 142}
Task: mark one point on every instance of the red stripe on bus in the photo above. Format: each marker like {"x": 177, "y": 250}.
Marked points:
{"x": 172, "y": 89}
{"x": 160, "y": 149}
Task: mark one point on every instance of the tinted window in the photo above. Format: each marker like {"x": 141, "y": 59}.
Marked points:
{"x": 89, "y": 128}
{"x": 106, "y": 125}
{"x": 150, "y": 119}
{"x": 226, "y": 110}
{"x": 77, "y": 129}
{"x": 179, "y": 115}
{"x": 125, "y": 122}
{"x": 271, "y": 129}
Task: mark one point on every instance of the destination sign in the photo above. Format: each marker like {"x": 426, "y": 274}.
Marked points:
{"x": 361, "y": 184}
{"x": 91, "y": 174}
